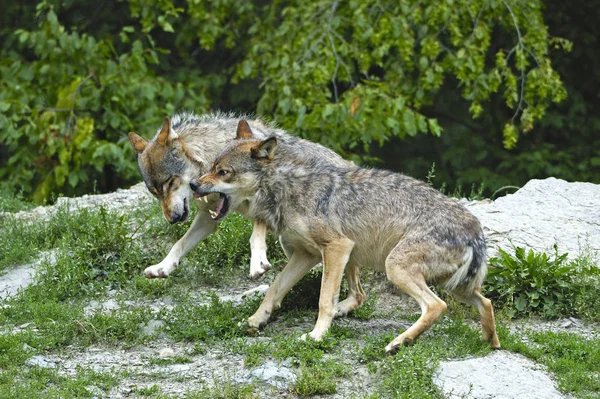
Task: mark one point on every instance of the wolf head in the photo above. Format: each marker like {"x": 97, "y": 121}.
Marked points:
{"x": 166, "y": 171}
{"x": 236, "y": 171}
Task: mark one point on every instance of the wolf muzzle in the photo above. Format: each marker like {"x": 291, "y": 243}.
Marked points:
{"x": 223, "y": 203}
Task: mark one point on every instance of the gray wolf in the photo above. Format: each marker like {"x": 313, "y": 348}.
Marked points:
{"x": 183, "y": 149}
{"x": 346, "y": 216}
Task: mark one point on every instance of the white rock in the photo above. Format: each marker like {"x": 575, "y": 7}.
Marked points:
{"x": 274, "y": 374}
{"x": 178, "y": 368}
{"x": 500, "y": 375}
{"x": 165, "y": 353}
{"x": 540, "y": 214}
{"x": 21, "y": 276}
{"x": 152, "y": 327}
{"x": 40, "y": 361}
{"x": 118, "y": 201}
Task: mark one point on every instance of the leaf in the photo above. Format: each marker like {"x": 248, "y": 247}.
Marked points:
{"x": 409, "y": 123}
{"x": 246, "y": 68}
{"x": 521, "y": 303}
{"x": 434, "y": 127}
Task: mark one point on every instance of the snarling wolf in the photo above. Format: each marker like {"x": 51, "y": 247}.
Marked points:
{"x": 346, "y": 217}
{"x": 183, "y": 149}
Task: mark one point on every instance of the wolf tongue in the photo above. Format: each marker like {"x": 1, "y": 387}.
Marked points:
{"x": 220, "y": 204}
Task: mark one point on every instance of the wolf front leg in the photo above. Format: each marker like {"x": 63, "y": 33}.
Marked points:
{"x": 300, "y": 263}
{"x": 201, "y": 227}
{"x": 259, "y": 264}
{"x": 335, "y": 257}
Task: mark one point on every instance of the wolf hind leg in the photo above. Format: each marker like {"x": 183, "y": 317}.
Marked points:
{"x": 356, "y": 295}
{"x": 299, "y": 264}
{"x": 405, "y": 267}
{"x": 486, "y": 311}
{"x": 201, "y": 227}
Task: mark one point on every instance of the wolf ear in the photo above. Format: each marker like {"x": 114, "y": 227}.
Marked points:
{"x": 265, "y": 149}
{"x": 243, "y": 130}
{"x": 137, "y": 142}
{"x": 166, "y": 133}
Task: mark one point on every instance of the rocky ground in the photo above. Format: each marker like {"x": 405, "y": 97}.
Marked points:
{"x": 528, "y": 218}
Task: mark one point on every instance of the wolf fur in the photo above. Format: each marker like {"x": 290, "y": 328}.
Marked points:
{"x": 346, "y": 216}
{"x": 183, "y": 149}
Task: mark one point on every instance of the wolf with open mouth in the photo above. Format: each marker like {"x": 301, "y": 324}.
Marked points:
{"x": 346, "y": 216}
{"x": 183, "y": 149}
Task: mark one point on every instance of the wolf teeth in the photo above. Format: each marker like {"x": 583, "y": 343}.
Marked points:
{"x": 205, "y": 199}
{"x": 213, "y": 213}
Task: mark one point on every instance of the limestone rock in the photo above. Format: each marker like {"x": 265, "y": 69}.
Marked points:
{"x": 500, "y": 375}
{"x": 540, "y": 214}
{"x": 165, "y": 353}
{"x": 277, "y": 375}
{"x": 41, "y": 361}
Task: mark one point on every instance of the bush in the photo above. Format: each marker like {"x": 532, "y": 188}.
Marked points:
{"x": 550, "y": 286}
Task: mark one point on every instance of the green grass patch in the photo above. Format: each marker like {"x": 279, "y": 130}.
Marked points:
{"x": 216, "y": 320}
{"x": 171, "y": 360}
{"x": 320, "y": 378}
{"x": 574, "y": 360}
{"x": 227, "y": 389}
{"x": 36, "y": 382}
{"x": 14, "y": 202}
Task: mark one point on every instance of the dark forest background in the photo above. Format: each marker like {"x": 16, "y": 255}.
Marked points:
{"x": 494, "y": 93}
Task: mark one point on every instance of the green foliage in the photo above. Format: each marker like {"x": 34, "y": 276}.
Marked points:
{"x": 75, "y": 79}
{"x": 352, "y": 73}
{"x": 550, "y": 286}
{"x": 68, "y": 98}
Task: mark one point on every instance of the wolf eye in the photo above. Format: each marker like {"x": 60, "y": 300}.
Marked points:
{"x": 222, "y": 172}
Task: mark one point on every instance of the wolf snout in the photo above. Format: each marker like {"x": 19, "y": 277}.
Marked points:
{"x": 194, "y": 185}
{"x": 176, "y": 217}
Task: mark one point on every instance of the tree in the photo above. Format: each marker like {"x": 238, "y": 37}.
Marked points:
{"x": 349, "y": 74}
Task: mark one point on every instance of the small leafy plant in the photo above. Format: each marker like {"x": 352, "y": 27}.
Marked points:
{"x": 550, "y": 286}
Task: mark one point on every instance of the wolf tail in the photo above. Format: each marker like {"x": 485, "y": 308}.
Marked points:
{"x": 471, "y": 273}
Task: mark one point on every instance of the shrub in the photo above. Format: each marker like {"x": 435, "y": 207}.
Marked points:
{"x": 550, "y": 286}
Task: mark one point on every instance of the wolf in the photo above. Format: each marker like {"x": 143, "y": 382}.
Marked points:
{"x": 183, "y": 149}
{"x": 346, "y": 216}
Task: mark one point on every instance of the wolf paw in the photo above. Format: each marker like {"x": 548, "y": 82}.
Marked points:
{"x": 393, "y": 346}
{"x": 259, "y": 265}
{"x": 256, "y": 321}
{"x": 159, "y": 271}
{"x": 315, "y": 336}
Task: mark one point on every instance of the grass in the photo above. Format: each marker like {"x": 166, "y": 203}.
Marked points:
{"x": 574, "y": 360}
{"x": 225, "y": 389}
{"x": 320, "y": 378}
{"x": 100, "y": 255}
{"x": 48, "y": 383}
{"x": 13, "y": 203}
